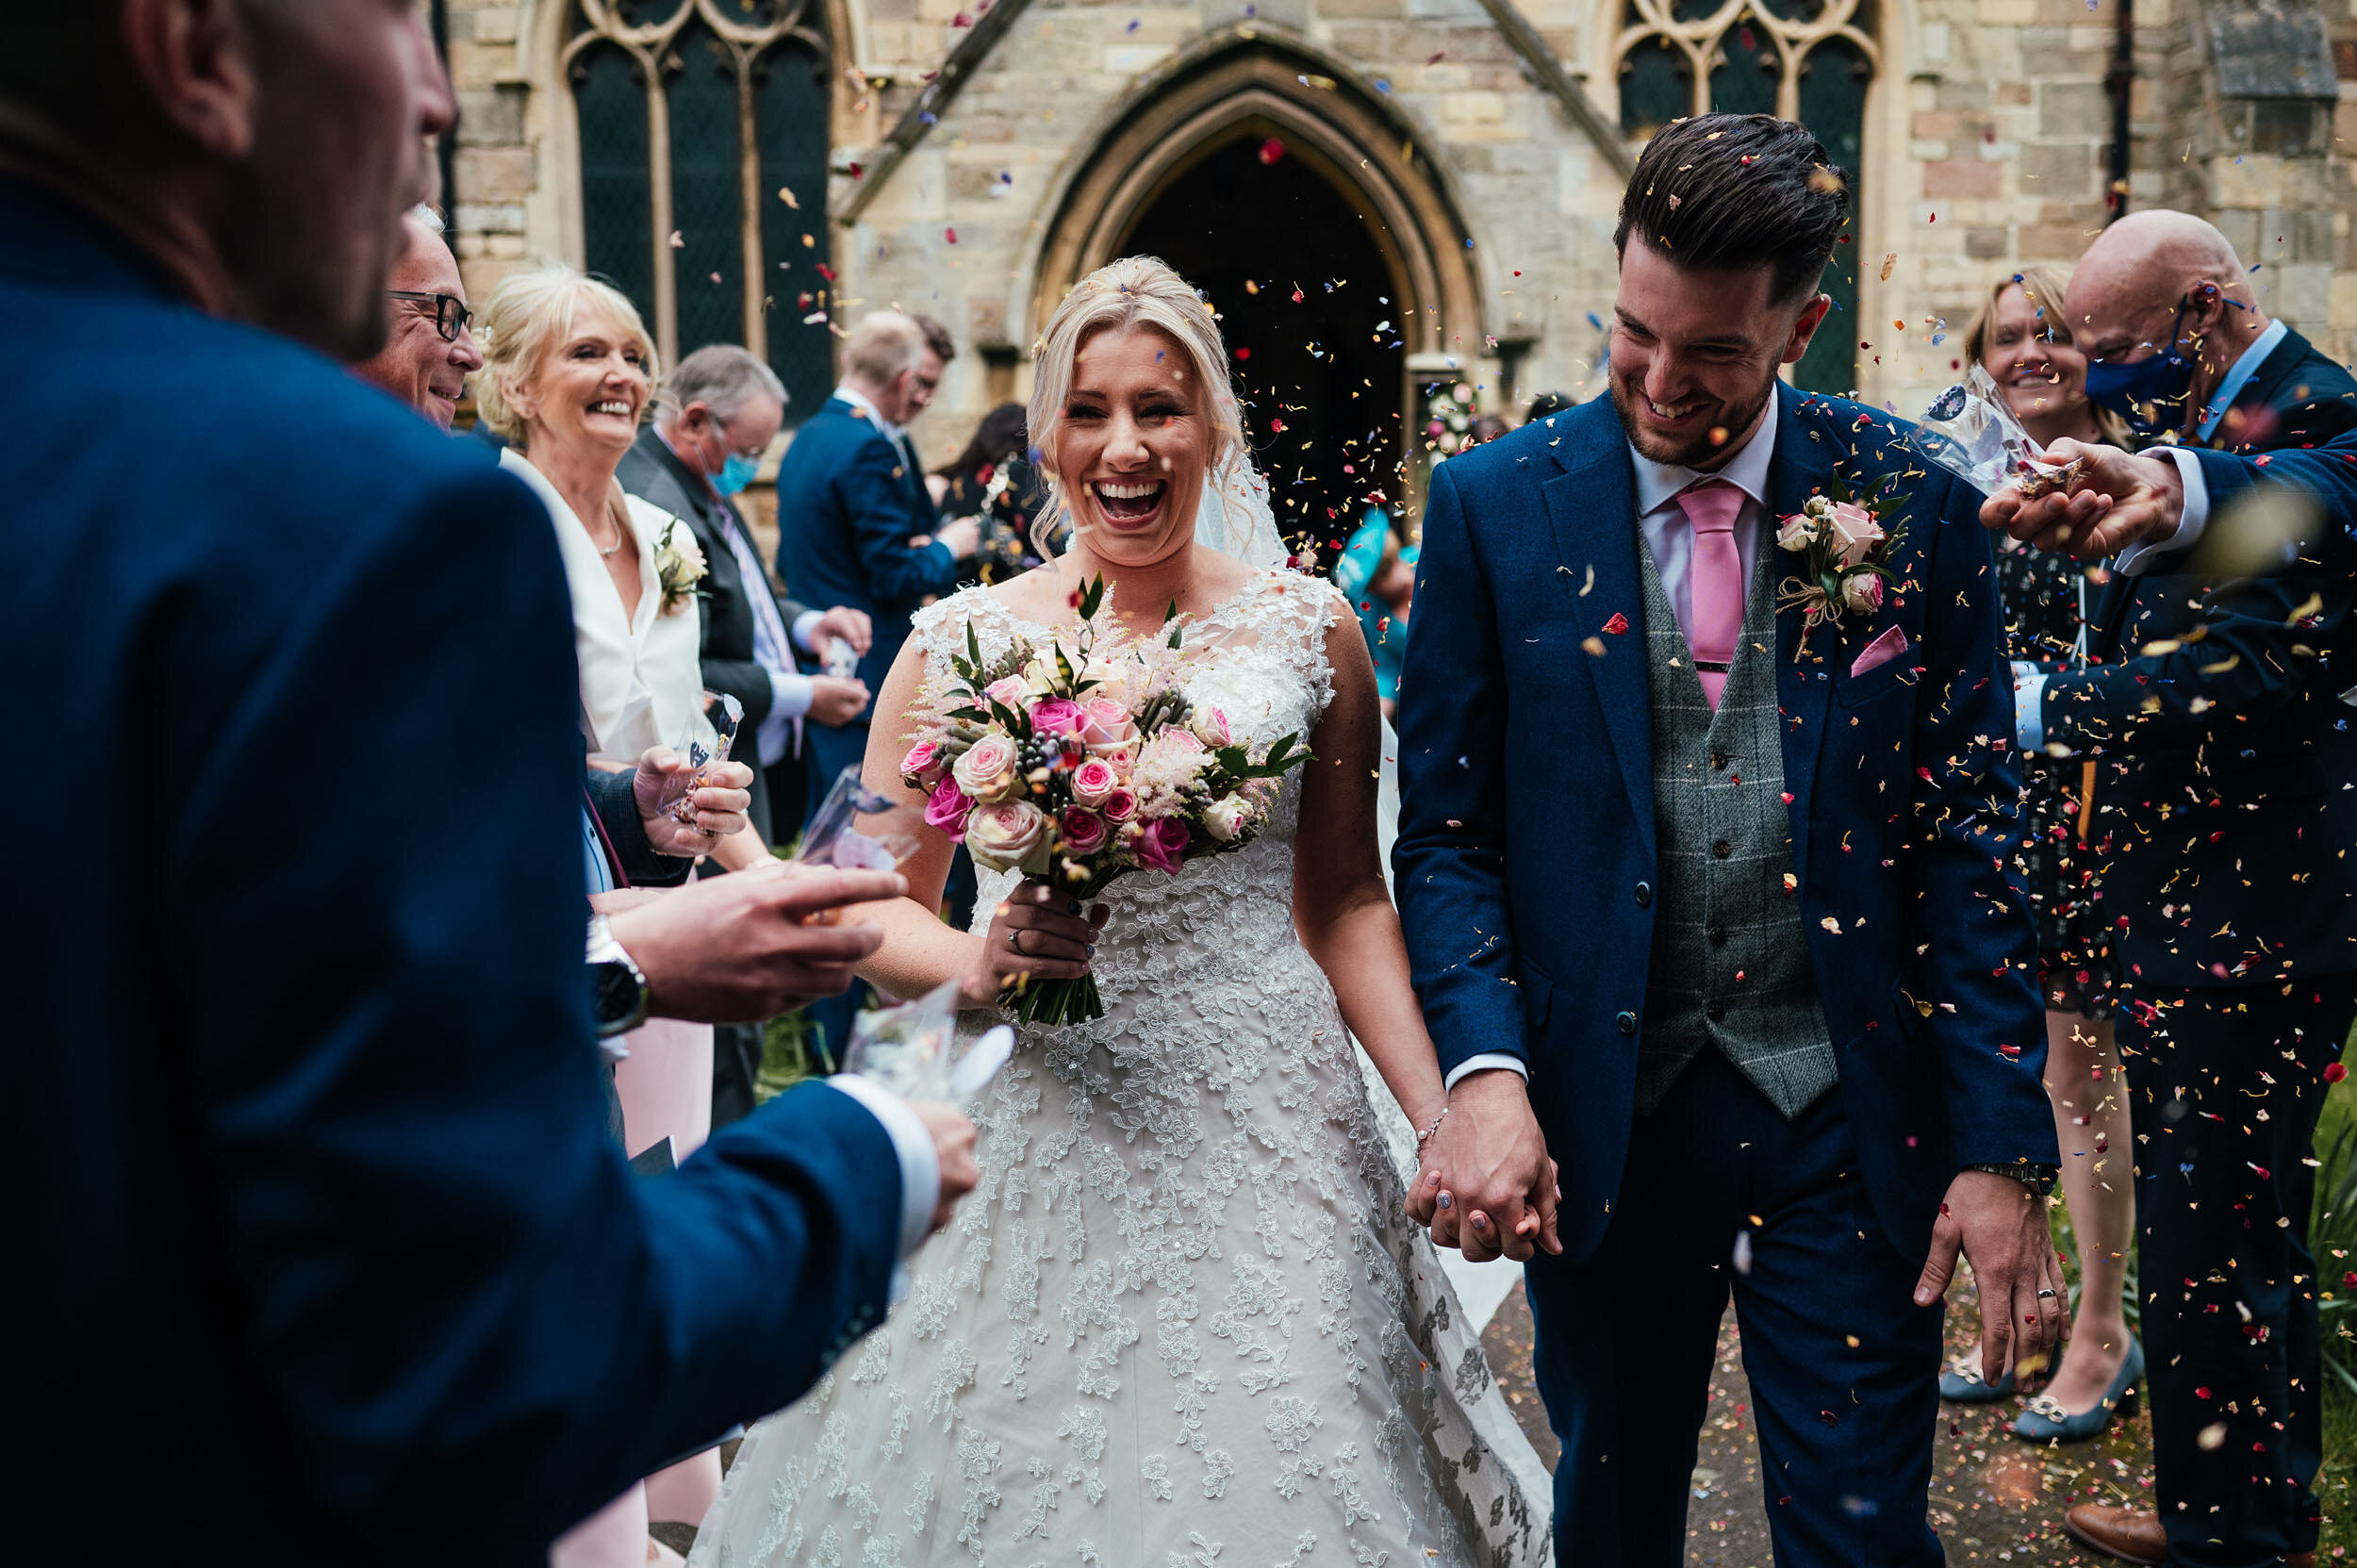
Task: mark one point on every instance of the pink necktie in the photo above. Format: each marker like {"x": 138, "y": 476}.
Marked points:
{"x": 1716, "y": 581}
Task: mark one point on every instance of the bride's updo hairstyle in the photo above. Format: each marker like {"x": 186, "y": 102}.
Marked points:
{"x": 1136, "y": 291}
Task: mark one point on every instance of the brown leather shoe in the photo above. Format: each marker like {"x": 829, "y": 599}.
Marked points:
{"x": 2129, "y": 1534}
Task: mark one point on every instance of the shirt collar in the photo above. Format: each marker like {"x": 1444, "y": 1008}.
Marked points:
{"x": 2239, "y": 377}
{"x": 1659, "y": 484}
{"x": 866, "y": 409}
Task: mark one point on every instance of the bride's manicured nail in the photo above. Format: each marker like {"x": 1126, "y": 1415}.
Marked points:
{"x": 1446, "y": 1200}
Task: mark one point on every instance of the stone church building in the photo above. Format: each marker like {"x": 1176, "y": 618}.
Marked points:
{"x": 1386, "y": 200}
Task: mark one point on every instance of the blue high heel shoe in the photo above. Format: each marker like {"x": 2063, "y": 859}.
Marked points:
{"x": 1960, "y": 1382}
{"x": 2044, "y": 1420}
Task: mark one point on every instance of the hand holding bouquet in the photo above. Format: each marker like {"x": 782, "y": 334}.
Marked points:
{"x": 1078, "y": 765}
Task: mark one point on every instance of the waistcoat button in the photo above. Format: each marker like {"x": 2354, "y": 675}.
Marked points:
{"x": 1626, "y": 1023}
{"x": 1715, "y": 1012}
{"x": 1718, "y": 936}
{"x": 1644, "y": 893}
{"x": 1723, "y": 848}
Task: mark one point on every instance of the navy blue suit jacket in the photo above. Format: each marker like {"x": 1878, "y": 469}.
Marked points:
{"x": 313, "y": 1188}
{"x": 2224, "y": 752}
{"x": 848, "y": 505}
{"x": 1526, "y": 857}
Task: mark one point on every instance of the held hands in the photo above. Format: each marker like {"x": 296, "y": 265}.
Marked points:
{"x": 1036, "y": 933}
{"x": 836, "y": 700}
{"x": 953, "y": 1146}
{"x": 2116, "y": 500}
{"x": 733, "y": 950}
{"x": 852, "y": 626}
{"x": 720, "y": 804}
{"x": 2025, "y": 1313}
{"x": 1484, "y": 1183}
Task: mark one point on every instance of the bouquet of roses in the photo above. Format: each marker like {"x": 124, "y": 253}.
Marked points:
{"x": 1844, "y": 558}
{"x": 1078, "y": 765}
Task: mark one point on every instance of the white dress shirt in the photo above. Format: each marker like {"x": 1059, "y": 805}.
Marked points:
{"x": 1670, "y": 536}
{"x": 641, "y": 675}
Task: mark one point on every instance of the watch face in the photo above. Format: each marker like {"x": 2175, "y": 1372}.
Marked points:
{"x": 614, "y": 991}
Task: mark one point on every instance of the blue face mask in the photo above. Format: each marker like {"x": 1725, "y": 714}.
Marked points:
{"x": 2138, "y": 390}
{"x": 735, "y": 474}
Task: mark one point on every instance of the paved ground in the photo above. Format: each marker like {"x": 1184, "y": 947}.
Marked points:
{"x": 1994, "y": 1498}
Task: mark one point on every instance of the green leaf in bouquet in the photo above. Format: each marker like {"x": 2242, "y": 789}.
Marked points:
{"x": 977, "y": 714}
{"x": 1092, "y": 597}
{"x": 1063, "y": 667}
{"x": 974, "y": 649}
{"x": 1178, "y": 633}
{"x": 1018, "y": 724}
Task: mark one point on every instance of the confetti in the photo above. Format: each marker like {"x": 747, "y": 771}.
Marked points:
{"x": 787, "y": 195}
{"x": 1271, "y": 151}
{"x": 1618, "y": 625}
{"x": 679, "y": 242}
{"x": 1890, "y": 260}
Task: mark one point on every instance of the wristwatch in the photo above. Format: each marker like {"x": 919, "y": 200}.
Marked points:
{"x": 618, "y": 988}
{"x": 2038, "y": 1178}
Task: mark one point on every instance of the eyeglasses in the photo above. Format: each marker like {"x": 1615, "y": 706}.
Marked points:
{"x": 450, "y": 314}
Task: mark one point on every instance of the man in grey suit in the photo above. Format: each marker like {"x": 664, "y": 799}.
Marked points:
{"x": 720, "y": 410}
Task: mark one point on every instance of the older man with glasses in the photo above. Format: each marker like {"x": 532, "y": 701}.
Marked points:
{"x": 430, "y": 353}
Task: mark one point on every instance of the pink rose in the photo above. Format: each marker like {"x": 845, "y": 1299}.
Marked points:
{"x": 1159, "y": 845}
{"x": 946, "y": 810}
{"x": 923, "y": 763}
{"x": 1179, "y": 741}
{"x": 1862, "y": 592}
{"x": 1111, "y": 733}
{"x": 1059, "y": 716}
{"x": 1119, "y": 806}
{"x": 987, "y": 770}
{"x": 1211, "y": 727}
{"x": 1085, "y": 832}
{"x": 1093, "y": 781}
{"x": 1852, "y": 531}
{"x": 1010, "y": 693}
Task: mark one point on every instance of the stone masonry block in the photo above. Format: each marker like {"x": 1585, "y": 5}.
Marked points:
{"x": 2073, "y": 109}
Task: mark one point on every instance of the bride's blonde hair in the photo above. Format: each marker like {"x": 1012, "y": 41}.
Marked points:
{"x": 1136, "y": 291}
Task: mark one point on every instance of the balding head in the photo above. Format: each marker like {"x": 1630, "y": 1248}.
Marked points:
{"x": 263, "y": 151}
{"x": 2127, "y": 291}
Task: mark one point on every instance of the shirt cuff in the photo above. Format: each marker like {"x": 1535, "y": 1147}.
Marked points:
{"x": 1484, "y": 1062}
{"x": 921, "y": 1166}
{"x": 2192, "y": 517}
{"x": 2028, "y": 707}
{"x": 790, "y": 694}
{"x": 805, "y": 633}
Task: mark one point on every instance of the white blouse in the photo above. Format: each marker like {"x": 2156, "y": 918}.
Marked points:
{"x": 641, "y": 680}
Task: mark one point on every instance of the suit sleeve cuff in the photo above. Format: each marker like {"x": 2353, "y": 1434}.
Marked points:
{"x": 1484, "y": 1062}
{"x": 2028, "y": 707}
{"x": 921, "y": 1166}
{"x": 805, "y": 632}
{"x": 790, "y": 694}
{"x": 2191, "y": 519}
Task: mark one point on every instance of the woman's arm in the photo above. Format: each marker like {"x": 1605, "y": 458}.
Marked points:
{"x": 1340, "y": 907}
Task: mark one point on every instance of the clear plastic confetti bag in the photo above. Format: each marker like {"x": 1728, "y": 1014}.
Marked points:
{"x": 1971, "y": 431}
{"x": 914, "y": 1050}
{"x": 855, "y": 830}
{"x": 720, "y": 716}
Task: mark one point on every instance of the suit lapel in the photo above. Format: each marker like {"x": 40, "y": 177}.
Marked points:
{"x": 1591, "y": 507}
{"x": 1803, "y": 464}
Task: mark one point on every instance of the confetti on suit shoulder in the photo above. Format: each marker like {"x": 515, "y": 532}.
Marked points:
{"x": 1618, "y": 625}
{"x": 1594, "y": 645}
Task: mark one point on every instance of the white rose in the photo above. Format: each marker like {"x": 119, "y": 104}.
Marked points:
{"x": 1006, "y": 837}
{"x": 1796, "y": 533}
{"x": 1227, "y": 817}
{"x": 986, "y": 771}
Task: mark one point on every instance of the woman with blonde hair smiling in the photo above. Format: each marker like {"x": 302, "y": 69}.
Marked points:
{"x": 568, "y": 371}
{"x": 1184, "y": 1311}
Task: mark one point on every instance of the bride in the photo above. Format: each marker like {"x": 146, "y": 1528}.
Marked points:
{"x": 1184, "y": 1318}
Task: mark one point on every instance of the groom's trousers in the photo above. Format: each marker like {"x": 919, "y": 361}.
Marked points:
{"x": 1843, "y": 1367}
{"x": 2224, "y": 1091}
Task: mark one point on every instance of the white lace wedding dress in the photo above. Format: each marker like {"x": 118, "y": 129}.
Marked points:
{"x": 1182, "y": 1322}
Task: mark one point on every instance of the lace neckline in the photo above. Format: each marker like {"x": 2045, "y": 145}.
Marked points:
{"x": 1260, "y": 583}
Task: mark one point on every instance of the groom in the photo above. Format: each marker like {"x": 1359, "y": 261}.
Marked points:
{"x": 1713, "y": 914}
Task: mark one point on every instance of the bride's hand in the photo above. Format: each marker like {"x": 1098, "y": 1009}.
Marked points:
{"x": 1036, "y": 933}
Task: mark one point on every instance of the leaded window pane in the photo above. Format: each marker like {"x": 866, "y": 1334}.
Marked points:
{"x": 707, "y": 190}
{"x": 790, "y": 91}
{"x": 610, "y": 95}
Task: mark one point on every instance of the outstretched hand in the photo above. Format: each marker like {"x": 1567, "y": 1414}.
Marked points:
{"x": 1484, "y": 1183}
{"x": 2116, "y": 499}
{"x": 2000, "y": 1224}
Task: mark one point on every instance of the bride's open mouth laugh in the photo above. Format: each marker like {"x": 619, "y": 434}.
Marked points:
{"x": 1130, "y": 503}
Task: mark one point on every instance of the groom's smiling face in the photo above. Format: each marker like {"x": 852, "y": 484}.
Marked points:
{"x": 1695, "y": 353}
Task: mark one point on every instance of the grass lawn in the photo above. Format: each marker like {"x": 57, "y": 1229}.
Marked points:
{"x": 2334, "y": 1231}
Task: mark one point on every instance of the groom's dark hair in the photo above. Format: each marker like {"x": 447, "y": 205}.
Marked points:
{"x": 1738, "y": 191}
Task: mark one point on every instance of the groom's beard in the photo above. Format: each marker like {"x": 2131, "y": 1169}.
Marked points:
{"x": 1699, "y": 451}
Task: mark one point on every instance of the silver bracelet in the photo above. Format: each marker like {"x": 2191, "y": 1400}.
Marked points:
{"x": 1424, "y": 1136}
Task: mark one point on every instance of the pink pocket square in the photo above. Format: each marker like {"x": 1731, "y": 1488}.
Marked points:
{"x": 1880, "y": 651}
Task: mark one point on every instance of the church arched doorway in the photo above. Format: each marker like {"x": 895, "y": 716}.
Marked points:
{"x": 1312, "y": 310}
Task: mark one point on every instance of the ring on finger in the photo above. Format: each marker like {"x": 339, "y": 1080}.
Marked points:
{"x": 2046, "y": 1294}
{"x": 1015, "y": 943}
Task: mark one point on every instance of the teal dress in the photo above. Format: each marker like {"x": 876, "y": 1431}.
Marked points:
{"x": 1354, "y": 573}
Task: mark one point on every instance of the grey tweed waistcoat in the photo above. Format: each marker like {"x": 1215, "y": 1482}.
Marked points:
{"x": 1730, "y": 954}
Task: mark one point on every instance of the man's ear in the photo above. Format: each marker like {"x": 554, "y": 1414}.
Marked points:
{"x": 1805, "y": 327}
{"x": 195, "y": 58}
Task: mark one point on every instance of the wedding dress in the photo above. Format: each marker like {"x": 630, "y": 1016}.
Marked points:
{"x": 1182, "y": 1322}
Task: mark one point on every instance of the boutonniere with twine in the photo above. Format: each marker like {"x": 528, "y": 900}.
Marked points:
{"x": 679, "y": 566}
{"x": 1844, "y": 558}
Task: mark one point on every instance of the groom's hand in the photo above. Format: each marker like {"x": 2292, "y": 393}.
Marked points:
{"x": 2001, "y": 1225}
{"x": 1485, "y": 1184}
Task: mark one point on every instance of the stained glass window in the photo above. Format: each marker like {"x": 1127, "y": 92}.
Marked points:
{"x": 1810, "y": 60}
{"x": 696, "y": 119}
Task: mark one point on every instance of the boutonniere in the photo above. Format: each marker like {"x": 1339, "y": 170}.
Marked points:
{"x": 679, "y": 566}
{"x": 1844, "y": 556}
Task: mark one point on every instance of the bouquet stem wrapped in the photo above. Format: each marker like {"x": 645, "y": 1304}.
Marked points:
{"x": 1080, "y": 764}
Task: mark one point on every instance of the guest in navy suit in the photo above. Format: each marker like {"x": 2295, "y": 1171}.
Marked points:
{"x": 2210, "y": 707}
{"x": 313, "y": 1174}
{"x": 1712, "y": 913}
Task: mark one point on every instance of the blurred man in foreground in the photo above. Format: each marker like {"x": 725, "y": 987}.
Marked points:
{"x": 302, "y": 1059}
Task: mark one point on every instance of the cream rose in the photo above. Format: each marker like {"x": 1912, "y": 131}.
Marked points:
{"x": 1797, "y": 532}
{"x": 1226, "y": 818}
{"x": 1008, "y": 836}
{"x": 986, "y": 771}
